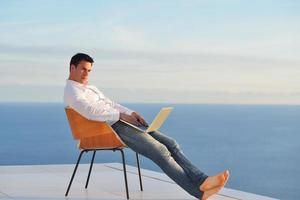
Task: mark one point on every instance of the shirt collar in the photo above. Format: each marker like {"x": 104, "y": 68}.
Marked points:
{"x": 79, "y": 85}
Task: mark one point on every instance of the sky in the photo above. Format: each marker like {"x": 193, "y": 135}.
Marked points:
{"x": 209, "y": 51}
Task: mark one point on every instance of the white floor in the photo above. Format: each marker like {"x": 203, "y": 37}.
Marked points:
{"x": 49, "y": 182}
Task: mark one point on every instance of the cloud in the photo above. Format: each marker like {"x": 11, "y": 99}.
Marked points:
{"x": 127, "y": 38}
{"x": 145, "y": 70}
{"x": 231, "y": 49}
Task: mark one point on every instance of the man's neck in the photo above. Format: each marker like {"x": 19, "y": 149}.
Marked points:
{"x": 84, "y": 84}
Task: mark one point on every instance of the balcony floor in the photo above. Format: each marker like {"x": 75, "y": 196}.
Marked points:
{"x": 49, "y": 182}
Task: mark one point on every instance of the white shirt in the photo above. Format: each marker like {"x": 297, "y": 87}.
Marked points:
{"x": 91, "y": 103}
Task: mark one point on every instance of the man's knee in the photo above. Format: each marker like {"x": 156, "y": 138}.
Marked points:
{"x": 173, "y": 144}
{"x": 163, "y": 150}
{"x": 170, "y": 142}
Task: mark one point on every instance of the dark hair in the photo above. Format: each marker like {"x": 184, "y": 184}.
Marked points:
{"x": 77, "y": 58}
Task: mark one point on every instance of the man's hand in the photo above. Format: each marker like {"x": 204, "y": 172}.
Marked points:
{"x": 139, "y": 118}
{"x": 129, "y": 118}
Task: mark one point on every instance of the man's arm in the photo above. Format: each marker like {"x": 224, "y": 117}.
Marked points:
{"x": 97, "y": 111}
{"x": 130, "y": 119}
{"x": 129, "y": 115}
{"x": 139, "y": 118}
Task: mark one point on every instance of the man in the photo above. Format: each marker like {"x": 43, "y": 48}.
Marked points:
{"x": 163, "y": 150}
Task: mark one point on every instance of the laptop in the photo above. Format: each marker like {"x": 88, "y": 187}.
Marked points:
{"x": 156, "y": 123}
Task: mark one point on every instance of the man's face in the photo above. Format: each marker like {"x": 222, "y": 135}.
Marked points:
{"x": 81, "y": 72}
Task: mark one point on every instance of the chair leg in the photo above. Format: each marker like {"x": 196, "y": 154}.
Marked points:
{"x": 139, "y": 170}
{"x": 74, "y": 172}
{"x": 125, "y": 174}
{"x": 90, "y": 170}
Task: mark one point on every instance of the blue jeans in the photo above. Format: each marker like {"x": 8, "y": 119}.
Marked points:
{"x": 166, "y": 153}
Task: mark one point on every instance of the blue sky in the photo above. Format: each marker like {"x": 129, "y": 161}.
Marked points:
{"x": 154, "y": 51}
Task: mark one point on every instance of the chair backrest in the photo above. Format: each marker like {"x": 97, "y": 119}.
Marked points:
{"x": 92, "y": 134}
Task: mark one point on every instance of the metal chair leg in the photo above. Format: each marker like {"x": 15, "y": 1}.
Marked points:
{"x": 125, "y": 174}
{"x": 91, "y": 166}
{"x": 90, "y": 170}
{"x": 139, "y": 170}
{"x": 74, "y": 172}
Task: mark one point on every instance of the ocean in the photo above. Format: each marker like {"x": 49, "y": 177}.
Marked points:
{"x": 259, "y": 144}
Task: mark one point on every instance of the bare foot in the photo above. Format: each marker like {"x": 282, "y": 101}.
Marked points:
{"x": 214, "y": 181}
{"x": 211, "y": 192}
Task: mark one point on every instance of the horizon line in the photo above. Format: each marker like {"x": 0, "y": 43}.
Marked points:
{"x": 178, "y": 103}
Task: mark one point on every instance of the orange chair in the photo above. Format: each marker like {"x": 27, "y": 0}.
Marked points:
{"x": 95, "y": 136}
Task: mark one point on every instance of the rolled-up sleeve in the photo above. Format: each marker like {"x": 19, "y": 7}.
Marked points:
{"x": 119, "y": 107}
{"x": 123, "y": 109}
